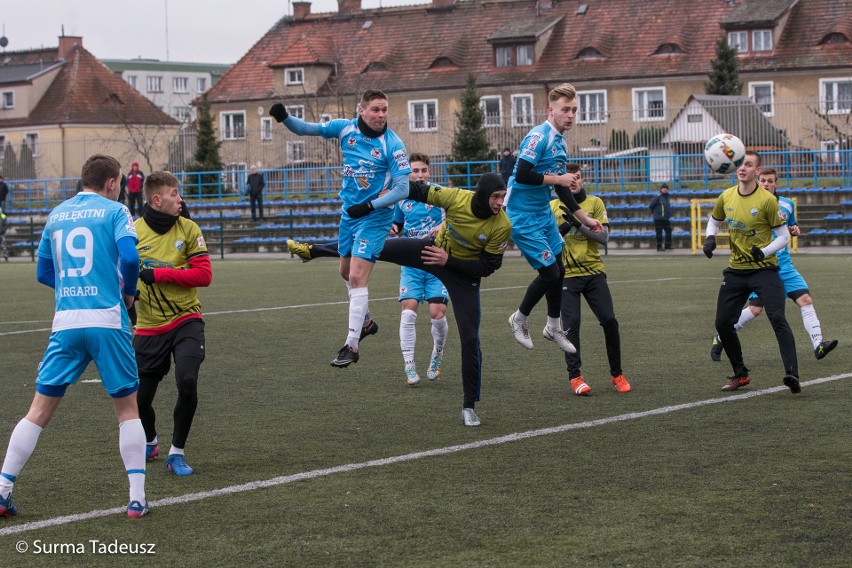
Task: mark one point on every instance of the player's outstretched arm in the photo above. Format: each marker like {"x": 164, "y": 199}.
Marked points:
{"x": 293, "y": 124}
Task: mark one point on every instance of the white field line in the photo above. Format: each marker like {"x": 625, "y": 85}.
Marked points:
{"x": 321, "y": 304}
{"x": 317, "y": 473}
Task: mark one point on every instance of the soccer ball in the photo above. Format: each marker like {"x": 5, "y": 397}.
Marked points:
{"x": 724, "y": 153}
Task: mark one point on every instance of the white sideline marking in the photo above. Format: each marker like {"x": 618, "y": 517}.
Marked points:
{"x": 316, "y": 473}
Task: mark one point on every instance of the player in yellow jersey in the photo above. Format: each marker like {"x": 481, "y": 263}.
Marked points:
{"x": 469, "y": 247}
{"x": 585, "y": 276}
{"x": 174, "y": 262}
{"x": 751, "y": 213}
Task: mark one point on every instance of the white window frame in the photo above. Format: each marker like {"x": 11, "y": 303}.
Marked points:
{"x": 131, "y": 80}
{"x": 504, "y": 56}
{"x": 154, "y": 84}
{"x": 180, "y": 84}
{"x": 492, "y": 120}
{"x": 641, "y": 109}
{"x": 760, "y": 39}
{"x": 739, "y": 41}
{"x": 527, "y": 117}
{"x": 295, "y": 151}
{"x": 527, "y": 52}
{"x": 31, "y": 140}
{"x": 228, "y": 127}
{"x": 831, "y": 106}
{"x": 294, "y": 76}
{"x": 325, "y": 118}
{"x": 11, "y": 96}
{"x": 266, "y": 128}
{"x": 297, "y": 110}
{"x": 182, "y": 113}
{"x": 200, "y": 84}
{"x": 753, "y": 86}
{"x": 830, "y": 151}
{"x": 427, "y": 123}
{"x": 600, "y": 115}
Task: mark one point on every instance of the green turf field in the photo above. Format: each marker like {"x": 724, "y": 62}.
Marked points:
{"x": 675, "y": 473}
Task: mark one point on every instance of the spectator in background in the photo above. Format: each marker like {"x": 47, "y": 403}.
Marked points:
{"x": 3, "y": 236}
{"x": 255, "y": 184}
{"x": 4, "y": 193}
{"x": 135, "y": 179}
{"x": 507, "y": 164}
{"x": 122, "y": 194}
{"x": 661, "y": 209}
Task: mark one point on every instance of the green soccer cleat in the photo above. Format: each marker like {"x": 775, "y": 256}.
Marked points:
{"x": 302, "y": 250}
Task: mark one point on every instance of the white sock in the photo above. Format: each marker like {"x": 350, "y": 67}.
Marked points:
{"x": 553, "y": 323}
{"x": 809, "y": 318}
{"x": 407, "y": 335}
{"x": 154, "y": 442}
{"x": 440, "y": 327}
{"x": 745, "y": 316}
{"x": 357, "y": 309}
{"x": 520, "y": 318}
{"x": 173, "y": 450}
{"x": 22, "y": 442}
{"x": 131, "y": 443}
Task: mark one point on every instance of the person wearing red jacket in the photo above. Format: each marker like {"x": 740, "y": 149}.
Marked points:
{"x": 135, "y": 182}
{"x": 174, "y": 263}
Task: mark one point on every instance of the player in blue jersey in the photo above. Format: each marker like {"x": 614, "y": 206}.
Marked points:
{"x": 87, "y": 254}
{"x": 415, "y": 219}
{"x": 539, "y": 171}
{"x": 374, "y": 160}
{"x": 795, "y": 286}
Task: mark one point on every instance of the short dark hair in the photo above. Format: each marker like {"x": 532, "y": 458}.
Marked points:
{"x": 371, "y": 95}
{"x": 157, "y": 181}
{"x": 768, "y": 172}
{"x": 419, "y": 158}
{"x": 662, "y": 185}
{"x": 574, "y": 168}
{"x": 98, "y": 170}
{"x": 756, "y": 156}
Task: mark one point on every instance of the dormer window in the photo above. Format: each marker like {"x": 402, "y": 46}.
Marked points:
{"x": 375, "y": 66}
{"x": 668, "y": 49}
{"x": 761, "y": 40}
{"x": 739, "y": 41}
{"x": 442, "y": 63}
{"x": 514, "y": 55}
{"x": 590, "y": 53}
{"x": 835, "y": 38}
{"x": 294, "y": 76}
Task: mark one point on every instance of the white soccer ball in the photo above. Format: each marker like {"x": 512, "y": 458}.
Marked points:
{"x": 724, "y": 153}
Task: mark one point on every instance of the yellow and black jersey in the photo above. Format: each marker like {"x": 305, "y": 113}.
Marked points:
{"x": 750, "y": 219}
{"x": 580, "y": 254}
{"x": 464, "y": 235}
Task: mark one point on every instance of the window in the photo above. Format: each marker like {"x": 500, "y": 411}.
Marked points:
{"x": 525, "y": 55}
{"x": 131, "y": 80}
{"x": 694, "y": 118}
{"x": 492, "y": 108}
{"x": 233, "y": 125}
{"x": 297, "y": 110}
{"x": 739, "y": 41}
{"x": 155, "y": 84}
{"x": 761, "y": 40}
{"x": 31, "y": 140}
{"x": 836, "y": 95}
{"x": 522, "y": 110}
{"x": 325, "y": 118}
{"x": 180, "y": 84}
{"x": 504, "y": 56}
{"x": 592, "y": 107}
{"x": 200, "y": 84}
{"x": 182, "y": 113}
{"x": 8, "y": 99}
{"x": 830, "y": 151}
{"x": 649, "y": 104}
{"x": 423, "y": 116}
{"x": 266, "y": 128}
{"x": 761, "y": 94}
{"x": 295, "y": 151}
{"x": 294, "y": 76}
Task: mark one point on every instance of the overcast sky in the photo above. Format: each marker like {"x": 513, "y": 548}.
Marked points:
{"x": 203, "y": 31}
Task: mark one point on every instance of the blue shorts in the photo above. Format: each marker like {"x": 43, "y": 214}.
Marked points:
{"x": 419, "y": 285}
{"x": 70, "y": 351}
{"x": 537, "y": 237}
{"x": 364, "y": 237}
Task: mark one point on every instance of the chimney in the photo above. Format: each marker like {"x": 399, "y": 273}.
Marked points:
{"x": 442, "y": 3}
{"x": 67, "y": 43}
{"x": 348, "y": 6}
{"x": 301, "y": 10}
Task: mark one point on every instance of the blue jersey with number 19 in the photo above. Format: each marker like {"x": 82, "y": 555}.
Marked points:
{"x": 369, "y": 164}
{"x": 80, "y": 238}
{"x": 544, "y": 148}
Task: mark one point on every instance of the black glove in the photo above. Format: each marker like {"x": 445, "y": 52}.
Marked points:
{"x": 569, "y": 217}
{"x": 709, "y": 246}
{"x": 757, "y": 254}
{"x": 279, "y": 112}
{"x": 360, "y": 210}
{"x": 146, "y": 275}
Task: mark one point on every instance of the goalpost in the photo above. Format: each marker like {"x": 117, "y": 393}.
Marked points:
{"x": 700, "y": 210}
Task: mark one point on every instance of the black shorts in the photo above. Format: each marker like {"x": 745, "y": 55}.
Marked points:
{"x": 154, "y": 352}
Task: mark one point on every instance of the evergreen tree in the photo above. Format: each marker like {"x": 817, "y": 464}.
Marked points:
{"x": 618, "y": 141}
{"x": 10, "y": 162}
{"x": 470, "y": 143}
{"x": 724, "y": 77}
{"x": 206, "y": 158}
{"x": 26, "y": 163}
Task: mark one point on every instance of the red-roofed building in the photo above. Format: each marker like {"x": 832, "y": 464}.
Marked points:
{"x": 635, "y": 64}
{"x": 53, "y": 99}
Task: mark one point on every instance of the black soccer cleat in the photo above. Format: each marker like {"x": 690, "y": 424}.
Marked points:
{"x": 792, "y": 382}
{"x": 716, "y": 349}
{"x": 345, "y": 357}
{"x": 371, "y": 328}
{"x": 825, "y": 348}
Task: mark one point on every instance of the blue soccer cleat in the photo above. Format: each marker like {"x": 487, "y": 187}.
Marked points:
{"x": 176, "y": 464}
{"x": 151, "y": 451}
{"x": 6, "y": 507}
{"x": 136, "y": 510}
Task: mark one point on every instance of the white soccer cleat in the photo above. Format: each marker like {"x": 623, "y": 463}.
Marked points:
{"x": 469, "y": 417}
{"x": 521, "y": 332}
{"x": 434, "y": 366}
{"x": 411, "y": 375}
{"x": 559, "y": 337}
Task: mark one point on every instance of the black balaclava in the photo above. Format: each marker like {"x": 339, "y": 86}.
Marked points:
{"x": 580, "y": 196}
{"x": 367, "y": 131}
{"x": 160, "y": 223}
{"x": 487, "y": 184}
